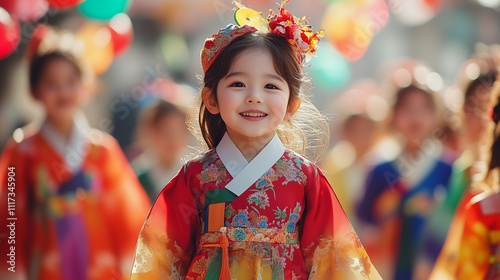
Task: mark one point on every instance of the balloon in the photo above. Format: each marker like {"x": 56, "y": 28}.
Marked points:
{"x": 122, "y": 32}
{"x": 416, "y": 12}
{"x": 329, "y": 70}
{"x": 25, "y": 10}
{"x": 10, "y": 34}
{"x": 350, "y": 26}
{"x": 98, "y": 46}
{"x": 103, "y": 9}
{"x": 63, "y": 4}
{"x": 175, "y": 51}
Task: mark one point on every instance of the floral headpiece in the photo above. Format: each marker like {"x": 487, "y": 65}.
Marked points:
{"x": 296, "y": 31}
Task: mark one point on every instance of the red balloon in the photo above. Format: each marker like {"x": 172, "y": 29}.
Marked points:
{"x": 10, "y": 34}
{"x": 122, "y": 32}
{"x": 63, "y": 4}
{"x": 25, "y": 10}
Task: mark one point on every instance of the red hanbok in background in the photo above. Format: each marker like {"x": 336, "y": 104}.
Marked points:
{"x": 276, "y": 217}
{"x": 78, "y": 207}
{"x": 479, "y": 249}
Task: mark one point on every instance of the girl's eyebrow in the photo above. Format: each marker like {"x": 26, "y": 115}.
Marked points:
{"x": 269, "y": 75}
{"x": 276, "y": 77}
{"x": 234, "y": 74}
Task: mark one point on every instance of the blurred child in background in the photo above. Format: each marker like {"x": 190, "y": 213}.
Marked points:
{"x": 479, "y": 245}
{"x": 357, "y": 132}
{"x": 448, "y": 218}
{"x": 165, "y": 135}
{"x": 400, "y": 193}
{"x": 78, "y": 204}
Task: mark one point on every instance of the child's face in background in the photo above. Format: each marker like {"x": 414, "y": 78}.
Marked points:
{"x": 252, "y": 98}
{"x": 475, "y": 109}
{"x": 59, "y": 89}
{"x": 415, "y": 117}
{"x": 170, "y": 137}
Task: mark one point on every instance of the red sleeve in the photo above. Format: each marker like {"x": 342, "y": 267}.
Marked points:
{"x": 169, "y": 237}
{"x": 124, "y": 201}
{"x": 474, "y": 249}
{"x": 14, "y": 218}
{"x": 331, "y": 247}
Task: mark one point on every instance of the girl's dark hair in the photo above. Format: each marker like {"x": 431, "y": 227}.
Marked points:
{"x": 38, "y": 64}
{"x": 403, "y": 92}
{"x": 495, "y": 146}
{"x": 484, "y": 81}
{"x": 212, "y": 126}
{"x": 162, "y": 109}
{"x": 491, "y": 179}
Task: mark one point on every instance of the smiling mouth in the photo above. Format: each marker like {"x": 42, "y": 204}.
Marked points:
{"x": 255, "y": 115}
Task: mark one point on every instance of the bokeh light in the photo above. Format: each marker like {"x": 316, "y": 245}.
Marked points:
{"x": 331, "y": 70}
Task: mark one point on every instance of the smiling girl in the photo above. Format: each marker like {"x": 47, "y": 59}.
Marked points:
{"x": 250, "y": 207}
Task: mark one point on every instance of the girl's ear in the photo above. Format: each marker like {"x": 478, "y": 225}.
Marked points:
{"x": 293, "y": 106}
{"x": 209, "y": 100}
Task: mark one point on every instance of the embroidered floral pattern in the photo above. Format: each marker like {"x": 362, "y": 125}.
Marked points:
{"x": 241, "y": 219}
{"x": 259, "y": 198}
{"x": 262, "y": 228}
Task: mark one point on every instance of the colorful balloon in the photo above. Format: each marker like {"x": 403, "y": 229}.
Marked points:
{"x": 63, "y": 4}
{"x": 351, "y": 25}
{"x": 103, "y": 9}
{"x": 122, "y": 32}
{"x": 330, "y": 70}
{"x": 98, "y": 46}
{"x": 10, "y": 34}
{"x": 25, "y": 10}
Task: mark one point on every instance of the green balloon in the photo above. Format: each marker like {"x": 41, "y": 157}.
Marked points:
{"x": 329, "y": 69}
{"x": 103, "y": 9}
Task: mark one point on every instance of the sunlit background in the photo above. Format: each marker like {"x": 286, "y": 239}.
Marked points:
{"x": 146, "y": 48}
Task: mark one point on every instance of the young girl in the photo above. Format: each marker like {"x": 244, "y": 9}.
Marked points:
{"x": 479, "y": 249}
{"x": 475, "y": 123}
{"x": 249, "y": 208}
{"x": 73, "y": 206}
{"x": 400, "y": 194}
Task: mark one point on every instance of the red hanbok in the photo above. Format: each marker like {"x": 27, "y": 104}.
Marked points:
{"x": 285, "y": 224}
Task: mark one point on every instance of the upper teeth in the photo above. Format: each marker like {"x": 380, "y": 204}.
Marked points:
{"x": 253, "y": 114}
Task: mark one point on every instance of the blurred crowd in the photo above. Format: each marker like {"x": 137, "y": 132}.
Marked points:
{"x": 413, "y": 160}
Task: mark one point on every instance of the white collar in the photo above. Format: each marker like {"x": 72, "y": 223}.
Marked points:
{"x": 231, "y": 156}
{"x": 74, "y": 151}
{"x": 413, "y": 169}
{"x": 244, "y": 173}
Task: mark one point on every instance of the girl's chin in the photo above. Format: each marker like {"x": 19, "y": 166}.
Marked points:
{"x": 61, "y": 114}
{"x": 255, "y": 134}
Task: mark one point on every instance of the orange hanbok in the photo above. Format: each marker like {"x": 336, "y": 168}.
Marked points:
{"x": 77, "y": 209}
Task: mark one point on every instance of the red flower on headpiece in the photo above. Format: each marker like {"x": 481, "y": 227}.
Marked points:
{"x": 296, "y": 31}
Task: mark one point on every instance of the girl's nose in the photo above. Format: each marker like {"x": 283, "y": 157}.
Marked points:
{"x": 253, "y": 97}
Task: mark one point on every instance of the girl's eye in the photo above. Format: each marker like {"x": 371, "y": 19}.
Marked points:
{"x": 270, "y": 86}
{"x": 237, "y": 84}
